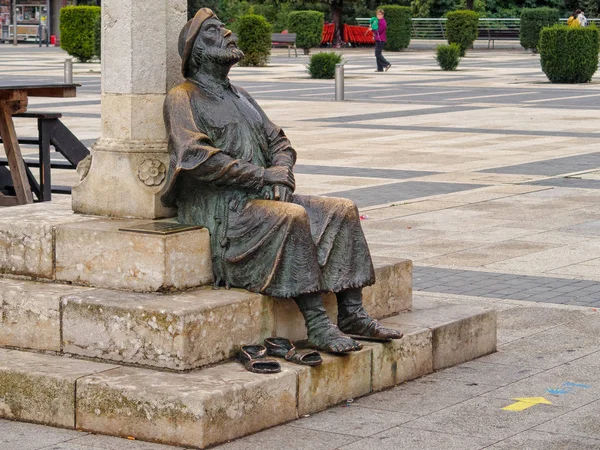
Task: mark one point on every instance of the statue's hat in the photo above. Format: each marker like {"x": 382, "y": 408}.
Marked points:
{"x": 188, "y": 36}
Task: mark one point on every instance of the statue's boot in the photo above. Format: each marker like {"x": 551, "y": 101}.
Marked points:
{"x": 354, "y": 320}
{"x": 322, "y": 333}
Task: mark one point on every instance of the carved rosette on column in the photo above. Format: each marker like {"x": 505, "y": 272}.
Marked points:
{"x": 139, "y": 65}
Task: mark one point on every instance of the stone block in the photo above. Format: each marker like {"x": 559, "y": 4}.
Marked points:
{"x": 194, "y": 409}
{"x": 460, "y": 333}
{"x": 402, "y": 360}
{"x": 339, "y": 378}
{"x": 41, "y": 388}
{"x": 30, "y": 314}
{"x": 96, "y": 253}
{"x": 177, "y": 331}
{"x": 392, "y": 292}
{"x": 27, "y": 237}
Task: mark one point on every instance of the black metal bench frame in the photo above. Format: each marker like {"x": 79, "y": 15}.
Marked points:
{"x": 286, "y": 40}
{"x": 499, "y": 34}
{"x": 51, "y": 131}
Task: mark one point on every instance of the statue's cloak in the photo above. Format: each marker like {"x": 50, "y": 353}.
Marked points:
{"x": 220, "y": 142}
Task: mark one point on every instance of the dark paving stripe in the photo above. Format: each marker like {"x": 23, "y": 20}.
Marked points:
{"x": 468, "y": 130}
{"x": 69, "y": 104}
{"x": 360, "y": 172}
{"x": 395, "y": 114}
{"x": 549, "y": 167}
{"x": 568, "y": 182}
{"x": 397, "y": 192}
{"x": 504, "y": 285}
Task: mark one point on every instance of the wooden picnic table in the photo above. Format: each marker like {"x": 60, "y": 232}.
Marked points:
{"x": 13, "y": 100}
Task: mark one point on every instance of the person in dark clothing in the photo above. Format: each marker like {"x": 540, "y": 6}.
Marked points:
{"x": 380, "y": 38}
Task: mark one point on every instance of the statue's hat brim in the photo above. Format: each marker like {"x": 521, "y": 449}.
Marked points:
{"x": 188, "y": 36}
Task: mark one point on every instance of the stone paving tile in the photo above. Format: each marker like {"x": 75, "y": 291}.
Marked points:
{"x": 569, "y": 182}
{"x": 25, "y": 436}
{"x": 424, "y": 395}
{"x": 401, "y": 438}
{"x": 288, "y": 437}
{"x": 353, "y": 421}
{"x": 483, "y": 417}
{"x": 556, "y": 166}
{"x": 581, "y": 422}
{"x": 359, "y": 172}
{"x": 568, "y": 386}
{"x": 498, "y": 285}
{"x": 539, "y": 440}
{"x": 398, "y": 192}
{"x": 546, "y": 349}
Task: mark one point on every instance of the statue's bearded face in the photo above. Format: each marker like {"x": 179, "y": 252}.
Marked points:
{"x": 215, "y": 43}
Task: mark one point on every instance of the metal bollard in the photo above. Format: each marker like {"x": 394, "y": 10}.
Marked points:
{"x": 69, "y": 71}
{"x": 339, "y": 82}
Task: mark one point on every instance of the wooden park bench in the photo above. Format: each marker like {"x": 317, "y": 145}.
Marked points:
{"x": 51, "y": 131}
{"x": 500, "y": 34}
{"x": 285, "y": 40}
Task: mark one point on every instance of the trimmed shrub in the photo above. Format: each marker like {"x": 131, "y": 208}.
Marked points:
{"x": 461, "y": 29}
{"x": 254, "y": 39}
{"x": 448, "y": 56}
{"x": 308, "y": 26}
{"x": 78, "y": 26}
{"x": 532, "y": 22}
{"x": 98, "y": 37}
{"x": 569, "y": 55}
{"x": 322, "y": 65}
{"x": 398, "y": 26}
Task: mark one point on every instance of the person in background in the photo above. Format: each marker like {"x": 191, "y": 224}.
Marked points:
{"x": 573, "y": 20}
{"x": 380, "y": 38}
{"x": 582, "y": 19}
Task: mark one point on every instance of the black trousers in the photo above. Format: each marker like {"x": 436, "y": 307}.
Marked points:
{"x": 381, "y": 61}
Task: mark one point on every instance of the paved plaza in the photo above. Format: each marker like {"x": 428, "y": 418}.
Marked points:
{"x": 487, "y": 178}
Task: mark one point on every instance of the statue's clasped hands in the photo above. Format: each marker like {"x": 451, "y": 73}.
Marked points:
{"x": 279, "y": 183}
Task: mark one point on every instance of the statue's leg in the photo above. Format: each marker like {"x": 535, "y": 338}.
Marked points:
{"x": 322, "y": 333}
{"x": 353, "y": 319}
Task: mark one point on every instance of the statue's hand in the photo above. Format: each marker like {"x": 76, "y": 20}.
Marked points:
{"x": 280, "y": 175}
{"x": 282, "y": 193}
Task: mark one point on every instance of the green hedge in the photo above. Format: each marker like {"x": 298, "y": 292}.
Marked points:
{"x": 322, "y": 65}
{"x": 448, "y": 56}
{"x": 532, "y": 22}
{"x": 398, "y": 26}
{"x": 78, "y": 25}
{"x": 461, "y": 29}
{"x": 308, "y": 26}
{"x": 568, "y": 54}
{"x": 254, "y": 39}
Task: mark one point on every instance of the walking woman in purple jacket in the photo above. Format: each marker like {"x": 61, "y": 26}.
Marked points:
{"x": 380, "y": 38}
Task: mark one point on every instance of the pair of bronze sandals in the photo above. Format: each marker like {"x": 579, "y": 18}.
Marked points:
{"x": 254, "y": 357}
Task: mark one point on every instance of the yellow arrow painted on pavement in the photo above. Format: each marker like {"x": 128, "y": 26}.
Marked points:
{"x": 527, "y": 402}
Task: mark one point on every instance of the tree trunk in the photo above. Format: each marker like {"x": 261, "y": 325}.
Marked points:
{"x": 336, "y": 16}
{"x": 470, "y": 4}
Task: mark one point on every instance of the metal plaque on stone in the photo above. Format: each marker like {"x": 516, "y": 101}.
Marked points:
{"x": 162, "y": 228}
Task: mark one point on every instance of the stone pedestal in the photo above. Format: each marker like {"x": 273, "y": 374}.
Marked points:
{"x": 139, "y": 65}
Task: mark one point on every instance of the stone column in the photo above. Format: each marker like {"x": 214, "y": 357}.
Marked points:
{"x": 140, "y": 64}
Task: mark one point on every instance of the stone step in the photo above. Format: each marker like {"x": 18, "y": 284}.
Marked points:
{"x": 49, "y": 242}
{"x": 177, "y": 331}
{"x": 212, "y": 405}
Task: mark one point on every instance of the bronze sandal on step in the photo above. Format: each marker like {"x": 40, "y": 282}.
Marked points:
{"x": 253, "y": 357}
{"x": 283, "y": 348}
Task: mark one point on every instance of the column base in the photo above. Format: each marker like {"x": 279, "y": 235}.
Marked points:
{"x": 124, "y": 180}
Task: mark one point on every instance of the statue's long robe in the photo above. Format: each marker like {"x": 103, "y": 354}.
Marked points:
{"x": 220, "y": 142}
